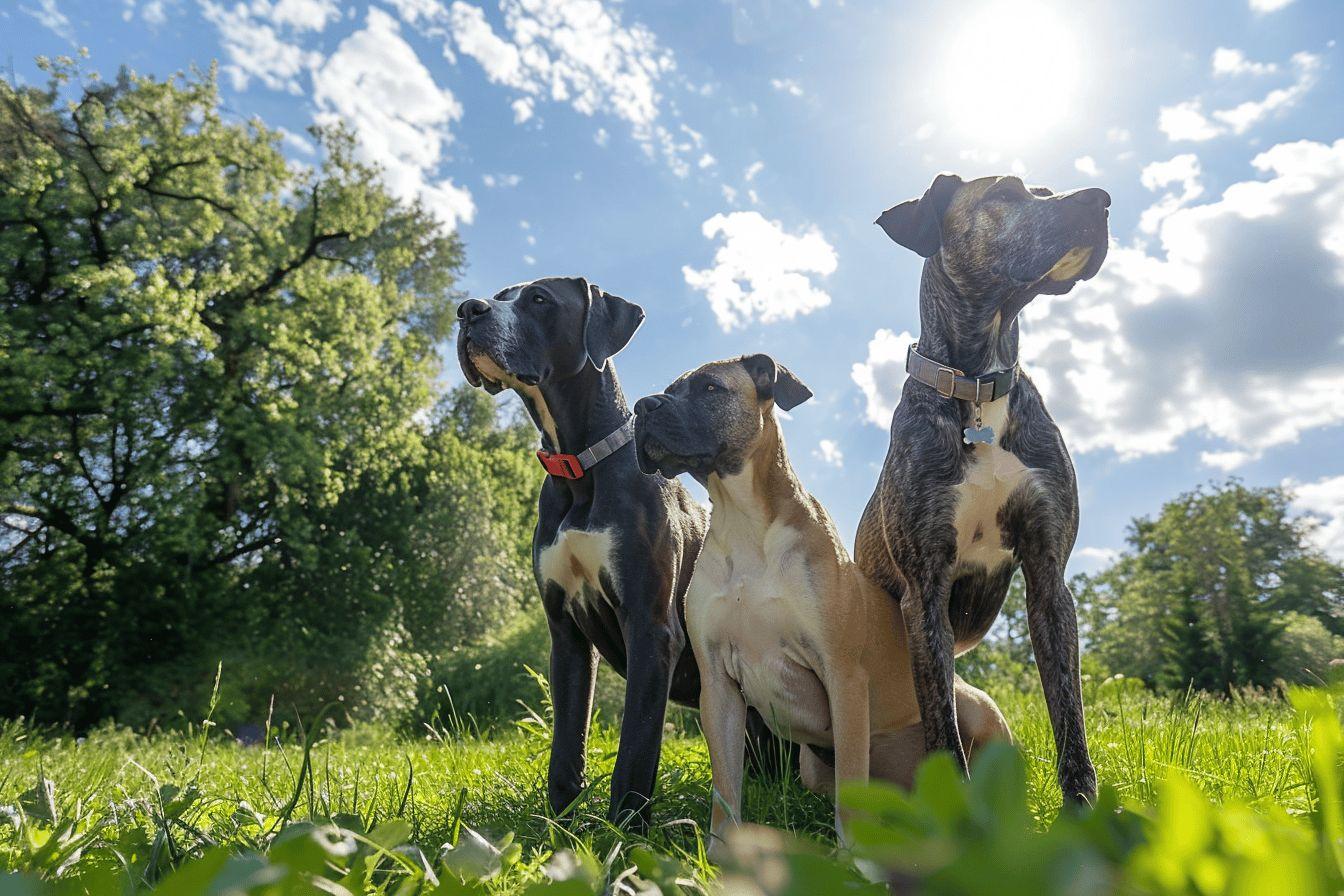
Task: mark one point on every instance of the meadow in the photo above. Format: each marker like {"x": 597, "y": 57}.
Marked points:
{"x": 454, "y": 809}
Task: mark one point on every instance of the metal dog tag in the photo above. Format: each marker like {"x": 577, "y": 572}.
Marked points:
{"x": 983, "y": 435}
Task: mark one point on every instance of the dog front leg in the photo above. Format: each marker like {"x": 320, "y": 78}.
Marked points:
{"x": 851, "y": 729}
{"x": 723, "y": 718}
{"x": 1053, "y": 622}
{"x": 573, "y": 671}
{"x": 651, "y": 654}
{"x": 924, "y": 609}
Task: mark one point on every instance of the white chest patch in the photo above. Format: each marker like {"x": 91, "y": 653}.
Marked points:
{"x": 991, "y": 477}
{"x": 576, "y": 561}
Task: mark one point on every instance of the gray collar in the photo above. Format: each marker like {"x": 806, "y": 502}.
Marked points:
{"x": 952, "y": 383}
{"x": 573, "y": 466}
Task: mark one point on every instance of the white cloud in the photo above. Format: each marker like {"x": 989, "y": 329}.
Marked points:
{"x": 1184, "y": 170}
{"x": 1242, "y": 117}
{"x": 49, "y": 16}
{"x": 729, "y": 193}
{"x": 753, "y": 169}
{"x": 1096, "y": 558}
{"x": 787, "y": 85}
{"x": 1323, "y": 500}
{"x": 297, "y": 142}
{"x": 1187, "y": 120}
{"x": 577, "y": 52}
{"x": 1231, "y": 61}
{"x": 1087, "y": 165}
{"x": 1263, "y": 6}
{"x": 601, "y": 138}
{"x": 706, "y": 161}
{"x": 376, "y": 84}
{"x": 1234, "y": 330}
{"x": 925, "y": 131}
{"x": 505, "y": 181}
{"x": 881, "y": 376}
{"x": 501, "y": 60}
{"x": 256, "y": 48}
{"x": 1227, "y": 461}
{"x": 153, "y": 12}
{"x": 412, "y": 11}
{"x": 1117, "y": 135}
{"x": 301, "y": 15}
{"x": 829, "y": 453}
{"x": 760, "y": 272}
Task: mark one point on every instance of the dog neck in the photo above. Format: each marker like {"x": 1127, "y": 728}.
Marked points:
{"x": 974, "y": 336}
{"x": 577, "y": 412}
{"x": 757, "y": 494}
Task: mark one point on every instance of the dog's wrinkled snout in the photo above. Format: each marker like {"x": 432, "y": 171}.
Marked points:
{"x": 471, "y": 309}
{"x": 1093, "y": 196}
{"x": 649, "y": 403}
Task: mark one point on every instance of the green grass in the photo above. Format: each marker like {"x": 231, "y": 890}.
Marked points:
{"x": 149, "y": 802}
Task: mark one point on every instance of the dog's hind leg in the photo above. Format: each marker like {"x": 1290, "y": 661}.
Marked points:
{"x": 1053, "y": 621}
{"x": 897, "y": 754}
{"x": 978, "y": 719}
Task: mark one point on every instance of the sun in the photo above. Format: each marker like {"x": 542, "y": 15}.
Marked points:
{"x": 1010, "y": 73}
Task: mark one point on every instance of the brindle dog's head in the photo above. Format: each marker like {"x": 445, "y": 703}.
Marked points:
{"x": 1001, "y": 241}
{"x": 541, "y": 332}
{"x": 709, "y": 420}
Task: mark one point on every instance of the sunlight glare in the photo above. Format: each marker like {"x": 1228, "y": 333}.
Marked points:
{"x": 1011, "y": 73}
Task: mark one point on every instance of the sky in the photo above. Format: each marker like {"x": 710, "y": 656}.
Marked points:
{"x": 721, "y": 163}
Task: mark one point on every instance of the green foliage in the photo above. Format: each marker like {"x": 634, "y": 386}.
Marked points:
{"x": 364, "y": 812}
{"x": 217, "y": 438}
{"x": 1221, "y": 590}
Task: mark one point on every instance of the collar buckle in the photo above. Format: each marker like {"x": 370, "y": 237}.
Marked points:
{"x": 945, "y": 381}
{"x": 562, "y": 466}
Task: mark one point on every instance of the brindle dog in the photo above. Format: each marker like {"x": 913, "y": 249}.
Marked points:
{"x": 957, "y": 508}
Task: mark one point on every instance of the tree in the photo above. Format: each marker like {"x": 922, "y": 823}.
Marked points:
{"x": 211, "y": 367}
{"x": 1205, "y": 593}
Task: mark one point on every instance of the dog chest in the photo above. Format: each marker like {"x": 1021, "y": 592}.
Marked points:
{"x": 576, "y": 560}
{"x": 991, "y": 477}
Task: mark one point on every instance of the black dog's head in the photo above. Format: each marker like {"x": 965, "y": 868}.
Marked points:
{"x": 541, "y": 332}
{"x": 709, "y": 420}
{"x": 998, "y": 238}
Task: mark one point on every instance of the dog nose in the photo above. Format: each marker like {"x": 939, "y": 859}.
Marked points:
{"x": 649, "y": 403}
{"x": 1093, "y": 196}
{"x": 472, "y": 308}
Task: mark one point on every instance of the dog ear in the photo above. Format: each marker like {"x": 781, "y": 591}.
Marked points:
{"x": 609, "y": 325}
{"x": 776, "y": 382}
{"x": 918, "y": 224}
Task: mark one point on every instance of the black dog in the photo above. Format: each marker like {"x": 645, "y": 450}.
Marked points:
{"x": 977, "y": 480}
{"x": 613, "y": 549}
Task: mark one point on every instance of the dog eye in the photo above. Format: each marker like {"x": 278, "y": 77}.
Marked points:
{"x": 711, "y": 387}
{"x": 539, "y": 299}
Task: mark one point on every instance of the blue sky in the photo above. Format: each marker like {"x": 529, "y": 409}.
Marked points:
{"x": 721, "y": 163}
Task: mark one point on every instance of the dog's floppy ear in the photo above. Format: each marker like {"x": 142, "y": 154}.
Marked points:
{"x": 610, "y": 323}
{"x": 918, "y": 224}
{"x": 775, "y": 381}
